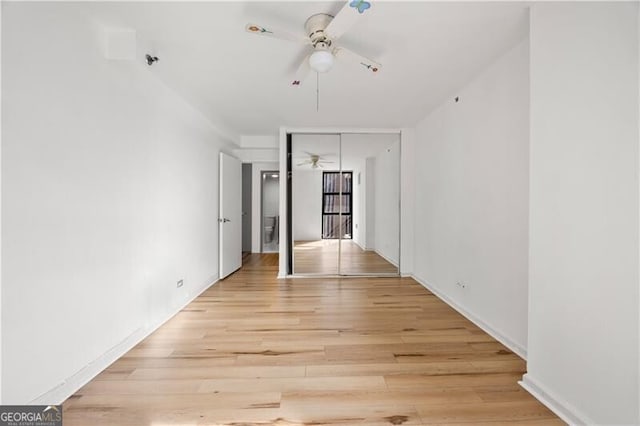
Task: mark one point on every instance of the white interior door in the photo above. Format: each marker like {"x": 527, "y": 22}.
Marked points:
{"x": 230, "y": 219}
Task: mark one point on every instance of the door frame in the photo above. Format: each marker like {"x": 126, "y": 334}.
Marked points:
{"x": 286, "y": 231}
{"x": 247, "y": 214}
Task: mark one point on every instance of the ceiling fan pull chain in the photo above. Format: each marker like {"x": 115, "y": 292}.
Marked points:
{"x": 317, "y": 91}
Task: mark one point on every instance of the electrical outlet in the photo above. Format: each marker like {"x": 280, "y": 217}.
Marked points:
{"x": 179, "y": 284}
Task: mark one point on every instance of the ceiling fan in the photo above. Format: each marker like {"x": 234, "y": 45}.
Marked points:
{"x": 315, "y": 160}
{"x": 322, "y": 31}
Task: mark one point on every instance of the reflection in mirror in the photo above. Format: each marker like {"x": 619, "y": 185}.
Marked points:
{"x": 315, "y": 247}
{"x": 345, "y": 204}
{"x": 374, "y": 161}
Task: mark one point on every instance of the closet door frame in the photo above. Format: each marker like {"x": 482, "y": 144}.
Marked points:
{"x": 286, "y": 203}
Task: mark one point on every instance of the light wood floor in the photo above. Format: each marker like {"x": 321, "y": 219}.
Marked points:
{"x": 260, "y": 351}
{"x": 321, "y": 257}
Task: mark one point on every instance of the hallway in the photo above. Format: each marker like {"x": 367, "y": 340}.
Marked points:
{"x": 253, "y": 349}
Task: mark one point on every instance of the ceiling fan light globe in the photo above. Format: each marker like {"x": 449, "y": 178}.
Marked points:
{"x": 321, "y": 61}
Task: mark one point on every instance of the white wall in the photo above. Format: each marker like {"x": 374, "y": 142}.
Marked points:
{"x": 109, "y": 196}
{"x": 359, "y": 188}
{"x": 256, "y": 202}
{"x": 270, "y": 193}
{"x": 471, "y": 205}
{"x": 583, "y": 294}
{"x": 387, "y": 202}
{"x": 307, "y": 205}
{"x": 257, "y": 155}
{"x": 370, "y": 203}
{"x": 407, "y": 200}
{"x": 258, "y": 149}
{"x": 356, "y": 149}
{"x": 283, "y": 259}
{"x": 356, "y": 165}
{"x": 259, "y": 141}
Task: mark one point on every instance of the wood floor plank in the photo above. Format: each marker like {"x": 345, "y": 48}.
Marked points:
{"x": 412, "y": 381}
{"x": 129, "y": 387}
{"x": 296, "y": 384}
{"x": 307, "y": 400}
{"x": 484, "y": 411}
{"x": 174, "y": 361}
{"x": 348, "y": 415}
{"x": 217, "y": 372}
{"x": 256, "y": 350}
{"x": 427, "y": 368}
{"x": 528, "y": 422}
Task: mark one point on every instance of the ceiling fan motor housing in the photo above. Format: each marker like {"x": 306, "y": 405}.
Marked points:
{"x": 315, "y": 26}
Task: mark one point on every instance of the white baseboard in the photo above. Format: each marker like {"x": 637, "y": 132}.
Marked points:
{"x": 565, "y": 411}
{"x": 394, "y": 263}
{"x": 359, "y": 245}
{"x": 515, "y": 347}
{"x": 72, "y": 384}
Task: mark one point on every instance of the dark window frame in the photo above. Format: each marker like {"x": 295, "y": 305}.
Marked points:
{"x": 347, "y": 234}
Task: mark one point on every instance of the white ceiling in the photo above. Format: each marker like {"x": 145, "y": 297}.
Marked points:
{"x": 427, "y": 49}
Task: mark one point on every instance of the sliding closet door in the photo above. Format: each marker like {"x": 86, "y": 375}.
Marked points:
{"x": 315, "y": 204}
{"x": 345, "y": 204}
{"x": 371, "y": 204}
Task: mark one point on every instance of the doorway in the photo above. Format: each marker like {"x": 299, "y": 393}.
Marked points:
{"x": 344, "y": 204}
{"x": 269, "y": 212}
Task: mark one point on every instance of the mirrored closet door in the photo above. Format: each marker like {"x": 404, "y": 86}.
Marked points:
{"x": 345, "y": 204}
{"x": 315, "y": 210}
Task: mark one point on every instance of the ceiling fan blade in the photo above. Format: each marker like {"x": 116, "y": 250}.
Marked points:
{"x": 326, "y": 162}
{"x": 311, "y": 154}
{"x": 303, "y": 163}
{"x": 301, "y": 73}
{"x": 350, "y": 13}
{"x": 275, "y": 33}
{"x": 347, "y": 55}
